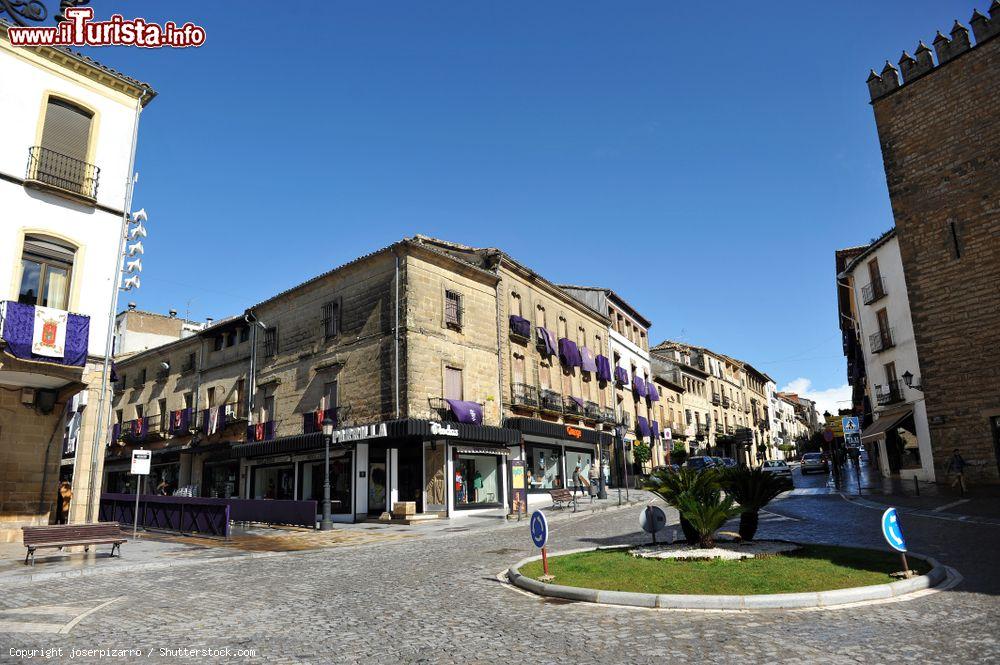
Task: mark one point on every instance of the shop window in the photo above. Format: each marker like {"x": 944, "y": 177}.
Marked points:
{"x": 46, "y": 269}
{"x": 544, "y": 467}
{"x": 477, "y": 480}
{"x": 578, "y": 463}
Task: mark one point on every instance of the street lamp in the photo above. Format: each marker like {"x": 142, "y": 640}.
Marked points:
{"x": 326, "y": 524}
{"x": 908, "y": 378}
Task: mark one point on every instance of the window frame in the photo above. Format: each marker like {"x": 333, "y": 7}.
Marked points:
{"x": 47, "y": 260}
{"x": 456, "y": 297}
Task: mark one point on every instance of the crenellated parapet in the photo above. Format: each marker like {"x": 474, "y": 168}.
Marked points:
{"x": 946, "y": 48}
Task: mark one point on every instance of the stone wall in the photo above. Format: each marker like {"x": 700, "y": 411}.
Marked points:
{"x": 940, "y": 139}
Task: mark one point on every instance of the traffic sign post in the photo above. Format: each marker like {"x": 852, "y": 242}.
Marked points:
{"x": 893, "y": 534}
{"x": 141, "y": 460}
{"x": 540, "y": 536}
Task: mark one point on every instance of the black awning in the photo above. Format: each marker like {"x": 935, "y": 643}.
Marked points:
{"x": 559, "y": 431}
{"x": 478, "y": 433}
{"x": 279, "y": 446}
{"x": 886, "y": 421}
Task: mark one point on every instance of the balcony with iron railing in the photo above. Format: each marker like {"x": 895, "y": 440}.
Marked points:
{"x": 524, "y": 395}
{"x": 716, "y": 399}
{"x": 571, "y": 407}
{"x": 725, "y": 402}
{"x": 592, "y": 411}
{"x": 312, "y": 421}
{"x": 608, "y": 416}
{"x": 625, "y": 419}
{"x": 873, "y": 291}
{"x": 550, "y": 401}
{"x": 882, "y": 340}
{"x": 54, "y": 170}
{"x": 718, "y": 428}
{"x": 31, "y": 357}
{"x": 890, "y": 393}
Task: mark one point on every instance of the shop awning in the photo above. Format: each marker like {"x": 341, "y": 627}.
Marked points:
{"x": 482, "y": 451}
{"x": 466, "y": 412}
{"x": 886, "y": 421}
{"x": 281, "y": 445}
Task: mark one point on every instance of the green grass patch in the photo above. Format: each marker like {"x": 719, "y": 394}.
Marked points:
{"x": 811, "y": 568}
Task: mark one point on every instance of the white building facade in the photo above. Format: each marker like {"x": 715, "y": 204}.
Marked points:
{"x": 899, "y": 433}
{"x": 68, "y": 149}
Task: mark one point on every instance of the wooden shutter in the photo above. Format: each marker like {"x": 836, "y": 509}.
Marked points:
{"x": 452, "y": 383}
{"x": 66, "y": 129}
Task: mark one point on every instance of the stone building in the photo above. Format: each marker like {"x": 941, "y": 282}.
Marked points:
{"x": 758, "y": 420}
{"x": 683, "y": 366}
{"x": 64, "y": 216}
{"x": 939, "y": 129}
{"x": 668, "y": 411}
{"x": 137, "y": 331}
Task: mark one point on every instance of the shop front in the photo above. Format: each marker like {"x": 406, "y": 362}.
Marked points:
{"x": 560, "y": 456}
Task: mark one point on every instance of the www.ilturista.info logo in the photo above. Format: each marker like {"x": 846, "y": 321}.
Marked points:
{"x": 79, "y": 29}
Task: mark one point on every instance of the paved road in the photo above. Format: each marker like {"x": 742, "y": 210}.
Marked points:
{"x": 437, "y": 600}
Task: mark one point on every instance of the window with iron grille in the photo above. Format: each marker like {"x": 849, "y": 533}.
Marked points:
{"x": 218, "y": 343}
{"x": 270, "y": 342}
{"x": 453, "y": 309}
{"x": 331, "y": 319}
{"x": 244, "y": 334}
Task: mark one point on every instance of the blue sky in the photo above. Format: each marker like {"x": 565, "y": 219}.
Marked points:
{"x": 703, "y": 160}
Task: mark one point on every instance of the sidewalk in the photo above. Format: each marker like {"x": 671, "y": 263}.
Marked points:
{"x": 157, "y": 550}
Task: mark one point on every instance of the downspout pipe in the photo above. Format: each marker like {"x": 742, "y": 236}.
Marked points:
{"x": 251, "y": 318}
{"x": 395, "y": 334}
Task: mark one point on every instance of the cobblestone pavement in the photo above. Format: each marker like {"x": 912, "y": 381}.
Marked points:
{"x": 437, "y": 600}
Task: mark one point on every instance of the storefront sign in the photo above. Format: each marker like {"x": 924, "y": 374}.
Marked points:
{"x": 574, "y": 432}
{"x": 441, "y": 429}
{"x": 378, "y": 431}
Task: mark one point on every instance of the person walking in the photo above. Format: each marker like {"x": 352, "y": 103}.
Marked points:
{"x": 956, "y": 465}
{"x": 65, "y": 496}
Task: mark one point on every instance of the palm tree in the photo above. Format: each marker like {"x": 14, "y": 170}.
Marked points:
{"x": 672, "y": 485}
{"x": 752, "y": 489}
{"x": 706, "y": 514}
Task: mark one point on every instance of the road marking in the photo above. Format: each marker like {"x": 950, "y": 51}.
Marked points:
{"x": 950, "y": 505}
{"x": 59, "y": 619}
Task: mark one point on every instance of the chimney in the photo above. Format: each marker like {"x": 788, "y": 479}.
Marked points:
{"x": 173, "y": 313}
{"x": 131, "y": 307}
{"x": 208, "y": 321}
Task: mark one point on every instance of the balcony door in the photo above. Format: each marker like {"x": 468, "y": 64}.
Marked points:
{"x": 62, "y": 161}
{"x": 883, "y": 327}
{"x": 46, "y": 271}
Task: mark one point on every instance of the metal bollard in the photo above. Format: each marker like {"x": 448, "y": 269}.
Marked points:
{"x": 916, "y": 485}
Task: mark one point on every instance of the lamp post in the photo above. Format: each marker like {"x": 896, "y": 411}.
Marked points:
{"x": 326, "y": 524}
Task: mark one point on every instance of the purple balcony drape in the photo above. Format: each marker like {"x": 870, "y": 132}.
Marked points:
{"x": 654, "y": 394}
{"x": 621, "y": 375}
{"x": 654, "y": 429}
{"x": 587, "y": 362}
{"x": 520, "y": 325}
{"x": 569, "y": 353}
{"x": 180, "y": 420}
{"x": 639, "y": 386}
{"x": 579, "y": 402}
{"x": 466, "y": 412}
{"x": 548, "y": 340}
{"x": 18, "y": 325}
{"x": 116, "y": 431}
{"x": 641, "y": 426}
{"x": 603, "y": 368}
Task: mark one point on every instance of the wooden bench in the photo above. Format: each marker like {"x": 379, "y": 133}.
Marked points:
{"x": 562, "y": 498}
{"x": 69, "y": 535}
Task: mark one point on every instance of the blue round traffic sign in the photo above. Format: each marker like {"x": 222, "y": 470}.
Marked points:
{"x": 892, "y": 531}
{"x": 539, "y": 529}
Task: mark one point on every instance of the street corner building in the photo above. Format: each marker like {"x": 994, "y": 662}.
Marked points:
{"x": 69, "y": 131}
{"x": 938, "y": 121}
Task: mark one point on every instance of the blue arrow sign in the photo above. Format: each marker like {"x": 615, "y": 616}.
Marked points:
{"x": 892, "y": 531}
{"x": 539, "y": 529}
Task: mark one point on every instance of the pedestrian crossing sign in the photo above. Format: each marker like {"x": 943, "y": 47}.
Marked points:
{"x": 851, "y": 425}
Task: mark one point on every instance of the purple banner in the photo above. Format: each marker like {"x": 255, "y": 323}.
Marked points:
{"x": 621, "y": 375}
{"x": 548, "y": 340}
{"x": 654, "y": 394}
{"x": 520, "y": 325}
{"x": 18, "y": 326}
{"x": 588, "y": 364}
{"x": 466, "y": 412}
{"x": 641, "y": 426}
{"x": 603, "y": 368}
{"x": 638, "y": 386}
{"x": 569, "y": 354}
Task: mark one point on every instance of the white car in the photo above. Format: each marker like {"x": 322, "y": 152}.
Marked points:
{"x": 778, "y": 467}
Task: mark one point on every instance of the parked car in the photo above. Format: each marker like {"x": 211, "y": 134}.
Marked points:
{"x": 718, "y": 462}
{"x": 779, "y": 468}
{"x": 699, "y": 463}
{"x": 814, "y": 462}
{"x": 729, "y": 462}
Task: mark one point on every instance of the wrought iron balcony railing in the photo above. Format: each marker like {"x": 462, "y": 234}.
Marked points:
{"x": 882, "y": 340}
{"x": 725, "y": 402}
{"x": 571, "y": 407}
{"x": 592, "y": 411}
{"x": 62, "y": 172}
{"x": 608, "y": 416}
{"x": 525, "y": 395}
{"x": 626, "y": 419}
{"x": 890, "y": 393}
{"x": 716, "y": 399}
{"x": 873, "y": 291}
{"x": 550, "y": 400}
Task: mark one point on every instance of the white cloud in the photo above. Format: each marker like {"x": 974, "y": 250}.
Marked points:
{"x": 831, "y": 399}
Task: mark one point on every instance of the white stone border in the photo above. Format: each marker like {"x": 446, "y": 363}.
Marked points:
{"x": 812, "y": 599}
